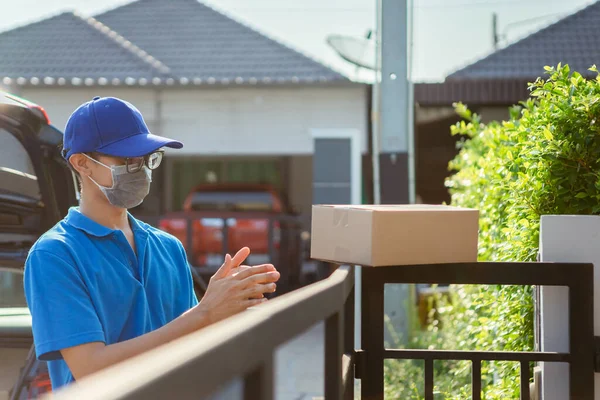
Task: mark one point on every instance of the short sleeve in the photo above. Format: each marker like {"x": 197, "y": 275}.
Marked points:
{"x": 193, "y": 299}
{"x": 62, "y": 312}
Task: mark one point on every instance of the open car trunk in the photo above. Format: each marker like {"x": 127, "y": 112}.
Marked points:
{"x": 36, "y": 189}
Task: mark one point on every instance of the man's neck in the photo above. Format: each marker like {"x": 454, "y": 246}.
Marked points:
{"x": 101, "y": 211}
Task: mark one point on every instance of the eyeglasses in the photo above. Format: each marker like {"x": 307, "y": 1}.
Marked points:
{"x": 152, "y": 161}
{"x": 134, "y": 164}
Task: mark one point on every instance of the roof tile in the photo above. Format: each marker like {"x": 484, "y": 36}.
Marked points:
{"x": 71, "y": 47}
{"x": 196, "y": 41}
{"x": 574, "y": 40}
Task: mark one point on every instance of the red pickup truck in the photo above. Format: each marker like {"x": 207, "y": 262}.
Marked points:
{"x": 210, "y": 207}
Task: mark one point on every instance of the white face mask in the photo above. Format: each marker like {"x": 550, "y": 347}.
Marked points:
{"x": 128, "y": 189}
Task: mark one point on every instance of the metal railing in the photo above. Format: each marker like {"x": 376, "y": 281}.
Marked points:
{"x": 198, "y": 365}
{"x": 579, "y": 278}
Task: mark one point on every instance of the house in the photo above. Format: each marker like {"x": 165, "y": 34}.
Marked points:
{"x": 247, "y": 107}
{"x": 492, "y": 84}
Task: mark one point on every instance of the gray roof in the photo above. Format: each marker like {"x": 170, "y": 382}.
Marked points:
{"x": 574, "y": 40}
{"x": 71, "y": 48}
{"x": 152, "y": 42}
{"x": 196, "y": 41}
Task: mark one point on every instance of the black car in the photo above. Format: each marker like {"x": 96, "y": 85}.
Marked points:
{"x": 36, "y": 190}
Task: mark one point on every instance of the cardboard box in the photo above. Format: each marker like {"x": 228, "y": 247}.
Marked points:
{"x": 394, "y": 234}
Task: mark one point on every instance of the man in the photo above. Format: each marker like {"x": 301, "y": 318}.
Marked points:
{"x": 102, "y": 286}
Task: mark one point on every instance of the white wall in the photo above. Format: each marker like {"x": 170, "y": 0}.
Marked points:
{"x": 260, "y": 120}
{"x": 232, "y": 121}
{"x": 59, "y": 103}
{"x": 565, "y": 238}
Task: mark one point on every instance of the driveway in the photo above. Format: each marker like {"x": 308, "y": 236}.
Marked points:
{"x": 299, "y": 369}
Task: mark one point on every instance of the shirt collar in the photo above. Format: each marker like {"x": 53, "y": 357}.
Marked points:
{"x": 77, "y": 220}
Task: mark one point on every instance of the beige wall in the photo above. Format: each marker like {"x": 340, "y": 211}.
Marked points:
{"x": 229, "y": 121}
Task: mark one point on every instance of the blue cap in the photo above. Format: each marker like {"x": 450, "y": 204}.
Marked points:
{"x": 111, "y": 126}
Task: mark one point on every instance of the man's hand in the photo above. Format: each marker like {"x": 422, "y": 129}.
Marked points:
{"x": 234, "y": 287}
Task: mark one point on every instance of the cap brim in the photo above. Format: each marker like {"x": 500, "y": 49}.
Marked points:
{"x": 138, "y": 145}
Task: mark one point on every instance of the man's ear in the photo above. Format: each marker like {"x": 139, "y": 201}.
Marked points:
{"x": 80, "y": 163}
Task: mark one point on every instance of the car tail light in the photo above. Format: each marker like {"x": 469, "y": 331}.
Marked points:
{"x": 41, "y": 111}
{"x": 39, "y": 385}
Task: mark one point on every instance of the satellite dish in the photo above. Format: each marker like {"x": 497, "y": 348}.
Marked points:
{"x": 358, "y": 51}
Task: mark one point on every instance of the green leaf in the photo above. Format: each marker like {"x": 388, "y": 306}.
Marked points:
{"x": 581, "y": 195}
{"x": 547, "y": 134}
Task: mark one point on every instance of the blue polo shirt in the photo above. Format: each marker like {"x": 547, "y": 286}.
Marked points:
{"x": 84, "y": 283}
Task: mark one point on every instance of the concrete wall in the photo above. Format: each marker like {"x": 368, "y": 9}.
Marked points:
{"x": 229, "y": 121}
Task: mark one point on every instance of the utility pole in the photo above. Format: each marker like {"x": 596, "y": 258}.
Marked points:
{"x": 396, "y": 173}
{"x": 394, "y": 164}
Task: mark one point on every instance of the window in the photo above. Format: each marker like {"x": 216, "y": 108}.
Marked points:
{"x": 12, "y": 293}
{"x": 13, "y": 155}
{"x": 18, "y": 175}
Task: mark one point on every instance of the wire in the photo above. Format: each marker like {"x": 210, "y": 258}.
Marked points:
{"x": 511, "y": 25}
{"x": 484, "y": 3}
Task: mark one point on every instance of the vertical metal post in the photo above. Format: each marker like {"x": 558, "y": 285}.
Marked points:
{"x": 525, "y": 380}
{"x": 349, "y": 339}
{"x": 428, "y": 379}
{"x": 189, "y": 231}
{"x": 258, "y": 384}
{"x": 395, "y": 118}
{"x": 376, "y": 108}
{"x": 225, "y": 240}
{"x": 394, "y": 102}
{"x": 581, "y": 334}
{"x": 270, "y": 241}
{"x": 476, "y": 380}
{"x": 412, "y": 151}
{"x": 372, "y": 337}
{"x": 334, "y": 346}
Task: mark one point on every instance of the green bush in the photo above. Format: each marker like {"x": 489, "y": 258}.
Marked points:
{"x": 544, "y": 159}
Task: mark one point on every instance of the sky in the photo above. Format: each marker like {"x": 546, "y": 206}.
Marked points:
{"x": 447, "y": 34}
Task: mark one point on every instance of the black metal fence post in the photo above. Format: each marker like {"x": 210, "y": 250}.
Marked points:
{"x": 334, "y": 346}
{"x": 349, "y": 344}
{"x": 259, "y": 383}
{"x": 581, "y": 334}
{"x": 372, "y": 336}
